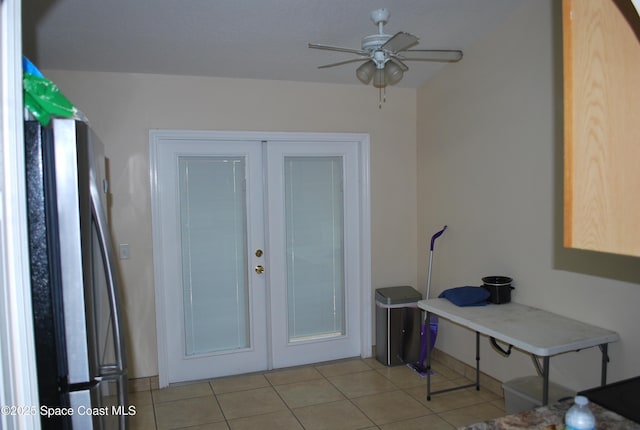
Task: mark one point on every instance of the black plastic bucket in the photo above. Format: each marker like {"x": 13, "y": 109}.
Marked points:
{"x": 499, "y": 288}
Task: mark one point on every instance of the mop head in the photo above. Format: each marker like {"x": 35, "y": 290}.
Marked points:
{"x": 420, "y": 370}
{"x": 418, "y": 366}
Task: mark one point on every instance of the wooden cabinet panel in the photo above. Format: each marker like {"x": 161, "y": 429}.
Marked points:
{"x": 602, "y": 125}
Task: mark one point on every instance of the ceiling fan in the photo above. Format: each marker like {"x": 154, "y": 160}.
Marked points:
{"x": 384, "y": 55}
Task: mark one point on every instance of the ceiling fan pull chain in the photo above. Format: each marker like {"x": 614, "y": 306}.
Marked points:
{"x": 382, "y": 96}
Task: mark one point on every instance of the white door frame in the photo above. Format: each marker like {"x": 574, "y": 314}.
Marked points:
{"x": 157, "y": 137}
{"x": 18, "y": 370}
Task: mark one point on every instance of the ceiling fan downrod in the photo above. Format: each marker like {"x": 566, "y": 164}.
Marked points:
{"x": 380, "y": 18}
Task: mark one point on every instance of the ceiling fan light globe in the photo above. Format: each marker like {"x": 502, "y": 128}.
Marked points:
{"x": 380, "y": 79}
{"x": 393, "y": 73}
{"x": 365, "y": 72}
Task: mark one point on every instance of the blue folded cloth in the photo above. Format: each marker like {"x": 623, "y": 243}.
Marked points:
{"x": 467, "y": 296}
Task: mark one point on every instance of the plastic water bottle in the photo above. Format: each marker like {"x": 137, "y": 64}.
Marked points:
{"x": 579, "y": 417}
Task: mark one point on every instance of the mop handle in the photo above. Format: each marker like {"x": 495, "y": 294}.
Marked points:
{"x": 437, "y": 235}
{"x": 429, "y": 276}
{"x": 433, "y": 239}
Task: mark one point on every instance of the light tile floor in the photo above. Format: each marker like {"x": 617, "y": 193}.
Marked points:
{"x": 347, "y": 394}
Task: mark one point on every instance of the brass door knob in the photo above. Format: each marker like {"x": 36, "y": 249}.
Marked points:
{"x": 259, "y": 269}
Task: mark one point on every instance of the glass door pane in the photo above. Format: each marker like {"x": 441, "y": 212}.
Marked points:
{"x": 314, "y": 229}
{"x": 213, "y": 219}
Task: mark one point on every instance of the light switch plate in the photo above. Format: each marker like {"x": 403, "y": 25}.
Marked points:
{"x": 124, "y": 251}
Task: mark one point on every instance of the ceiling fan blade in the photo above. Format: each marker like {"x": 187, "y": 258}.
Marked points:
{"x": 403, "y": 66}
{"x": 443, "y": 55}
{"x": 338, "y": 49}
{"x": 340, "y": 63}
{"x": 400, "y": 41}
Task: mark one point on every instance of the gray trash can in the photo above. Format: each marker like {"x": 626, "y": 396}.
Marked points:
{"x": 398, "y": 321}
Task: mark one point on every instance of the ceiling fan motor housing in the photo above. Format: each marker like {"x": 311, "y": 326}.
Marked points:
{"x": 375, "y": 41}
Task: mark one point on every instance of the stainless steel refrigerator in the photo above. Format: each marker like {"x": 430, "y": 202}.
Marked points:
{"x": 80, "y": 353}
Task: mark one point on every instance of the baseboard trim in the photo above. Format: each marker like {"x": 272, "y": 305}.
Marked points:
{"x": 143, "y": 384}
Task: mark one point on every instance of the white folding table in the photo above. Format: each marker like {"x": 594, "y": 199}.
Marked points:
{"x": 538, "y": 332}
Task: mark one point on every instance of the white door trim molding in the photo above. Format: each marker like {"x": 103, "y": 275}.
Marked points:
{"x": 18, "y": 370}
{"x": 157, "y": 137}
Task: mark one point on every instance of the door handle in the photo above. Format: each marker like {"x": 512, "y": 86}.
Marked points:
{"x": 259, "y": 269}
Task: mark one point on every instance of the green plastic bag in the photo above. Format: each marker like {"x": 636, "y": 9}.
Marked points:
{"x": 44, "y": 100}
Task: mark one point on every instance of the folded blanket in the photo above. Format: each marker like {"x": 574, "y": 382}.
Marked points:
{"x": 466, "y": 296}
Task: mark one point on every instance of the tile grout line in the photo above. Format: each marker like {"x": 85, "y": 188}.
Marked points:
{"x": 226, "y": 420}
{"x": 290, "y": 409}
{"x": 350, "y": 400}
{"x": 153, "y": 408}
{"x": 326, "y": 378}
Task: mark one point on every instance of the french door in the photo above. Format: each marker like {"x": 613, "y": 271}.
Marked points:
{"x": 259, "y": 254}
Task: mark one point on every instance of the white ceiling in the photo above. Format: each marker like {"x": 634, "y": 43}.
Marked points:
{"x": 256, "y": 39}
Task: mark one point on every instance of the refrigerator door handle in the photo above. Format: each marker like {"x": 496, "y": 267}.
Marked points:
{"x": 106, "y": 250}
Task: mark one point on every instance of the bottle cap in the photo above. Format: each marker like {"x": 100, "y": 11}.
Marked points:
{"x": 581, "y": 400}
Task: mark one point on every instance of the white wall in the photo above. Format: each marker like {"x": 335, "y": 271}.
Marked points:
{"x": 489, "y": 148}
{"x": 123, "y": 107}
{"x": 489, "y": 166}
